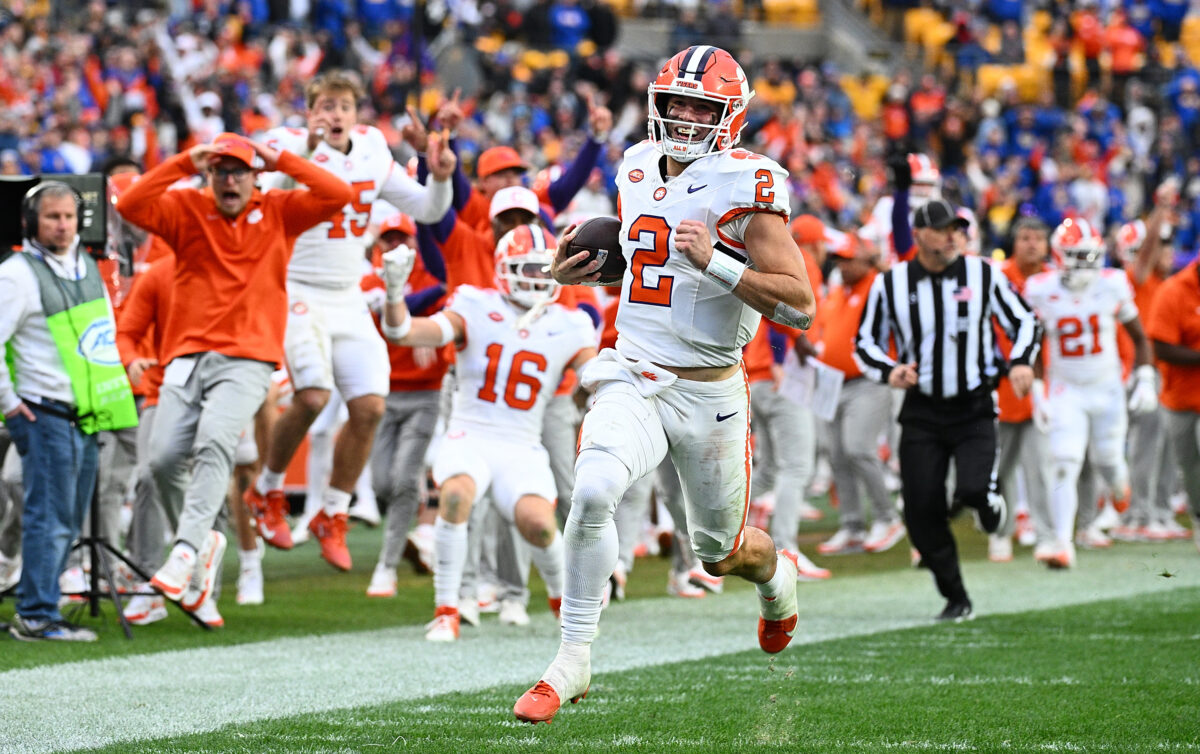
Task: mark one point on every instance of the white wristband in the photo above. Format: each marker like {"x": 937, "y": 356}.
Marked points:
{"x": 397, "y": 332}
{"x": 724, "y": 270}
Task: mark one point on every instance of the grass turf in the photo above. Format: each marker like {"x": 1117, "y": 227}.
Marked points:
{"x": 1118, "y": 675}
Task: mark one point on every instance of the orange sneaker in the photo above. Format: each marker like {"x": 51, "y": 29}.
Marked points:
{"x": 541, "y": 703}
{"x": 330, "y": 531}
{"x": 444, "y": 626}
{"x": 775, "y": 635}
{"x": 269, "y": 521}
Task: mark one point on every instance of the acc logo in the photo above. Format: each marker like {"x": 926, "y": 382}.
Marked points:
{"x": 496, "y": 316}
{"x": 523, "y": 333}
{"x": 321, "y": 158}
{"x": 659, "y": 193}
{"x": 636, "y": 175}
{"x": 254, "y": 217}
{"x": 299, "y": 308}
{"x": 98, "y": 344}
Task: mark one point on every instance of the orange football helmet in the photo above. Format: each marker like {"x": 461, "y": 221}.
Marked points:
{"x": 1130, "y": 238}
{"x": 926, "y": 179}
{"x": 708, "y": 73}
{"x": 521, "y": 256}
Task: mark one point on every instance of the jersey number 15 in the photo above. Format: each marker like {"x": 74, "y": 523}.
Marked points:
{"x": 361, "y": 217}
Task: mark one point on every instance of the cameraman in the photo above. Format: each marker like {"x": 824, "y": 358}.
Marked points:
{"x": 66, "y": 384}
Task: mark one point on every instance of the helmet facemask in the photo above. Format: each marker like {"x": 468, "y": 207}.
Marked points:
{"x": 526, "y": 279}
{"x": 701, "y": 72}
{"x": 705, "y": 140}
{"x": 1081, "y": 265}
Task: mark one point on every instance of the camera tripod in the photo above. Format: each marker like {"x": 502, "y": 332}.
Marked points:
{"x": 99, "y": 550}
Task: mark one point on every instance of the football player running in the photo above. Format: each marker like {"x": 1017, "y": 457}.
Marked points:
{"x": 520, "y": 342}
{"x": 704, "y": 233}
{"x": 331, "y": 338}
{"x": 1082, "y": 404}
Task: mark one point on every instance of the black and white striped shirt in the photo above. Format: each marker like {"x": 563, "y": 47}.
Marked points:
{"x": 943, "y": 323}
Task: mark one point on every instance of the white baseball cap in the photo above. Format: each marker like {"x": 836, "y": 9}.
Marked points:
{"x": 513, "y": 197}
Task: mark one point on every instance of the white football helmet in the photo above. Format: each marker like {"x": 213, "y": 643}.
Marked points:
{"x": 1129, "y": 239}
{"x": 703, "y": 72}
{"x": 926, "y": 180}
{"x": 521, "y": 256}
{"x": 1080, "y": 250}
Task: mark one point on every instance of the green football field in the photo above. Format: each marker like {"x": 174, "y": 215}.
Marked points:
{"x": 1103, "y": 658}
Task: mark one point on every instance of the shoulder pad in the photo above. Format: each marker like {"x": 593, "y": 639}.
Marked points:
{"x": 759, "y": 184}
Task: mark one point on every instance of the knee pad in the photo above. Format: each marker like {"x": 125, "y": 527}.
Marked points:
{"x": 600, "y": 481}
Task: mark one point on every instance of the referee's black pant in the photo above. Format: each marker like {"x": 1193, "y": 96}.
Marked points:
{"x": 934, "y": 431}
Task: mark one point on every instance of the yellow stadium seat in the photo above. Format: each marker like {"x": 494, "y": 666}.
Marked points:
{"x": 805, "y": 13}
{"x": 915, "y": 21}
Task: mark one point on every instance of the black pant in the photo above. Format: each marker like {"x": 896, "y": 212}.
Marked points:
{"x": 933, "y": 431}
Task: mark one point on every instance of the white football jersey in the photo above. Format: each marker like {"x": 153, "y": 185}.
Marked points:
{"x": 330, "y": 254}
{"x": 1081, "y": 326}
{"x": 670, "y": 313}
{"x": 507, "y": 374}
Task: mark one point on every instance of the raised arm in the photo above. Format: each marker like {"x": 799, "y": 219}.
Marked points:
{"x": 399, "y": 326}
{"x": 426, "y": 203}
{"x": 302, "y": 209}
{"x": 147, "y": 203}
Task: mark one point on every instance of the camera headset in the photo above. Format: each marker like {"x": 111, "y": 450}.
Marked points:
{"x": 32, "y": 203}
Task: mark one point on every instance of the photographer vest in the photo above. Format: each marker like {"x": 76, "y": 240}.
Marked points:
{"x": 82, "y": 326}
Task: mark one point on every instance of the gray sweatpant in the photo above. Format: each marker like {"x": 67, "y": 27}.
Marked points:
{"x": 199, "y": 421}
{"x": 1022, "y": 446}
{"x": 398, "y": 464}
{"x": 1183, "y": 431}
{"x": 784, "y": 456}
{"x": 864, "y": 409}
{"x": 1151, "y": 469}
{"x": 148, "y": 529}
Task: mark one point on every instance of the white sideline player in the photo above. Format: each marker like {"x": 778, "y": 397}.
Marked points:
{"x": 674, "y": 383}
{"x": 331, "y": 338}
{"x": 1082, "y": 403}
{"x": 513, "y": 345}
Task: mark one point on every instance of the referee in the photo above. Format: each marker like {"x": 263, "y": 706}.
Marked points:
{"x": 938, "y": 309}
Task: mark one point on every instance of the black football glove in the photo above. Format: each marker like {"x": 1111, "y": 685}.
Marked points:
{"x": 901, "y": 172}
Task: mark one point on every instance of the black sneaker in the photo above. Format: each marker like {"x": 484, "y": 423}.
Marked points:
{"x": 993, "y": 514}
{"x": 957, "y": 611}
{"x": 60, "y": 630}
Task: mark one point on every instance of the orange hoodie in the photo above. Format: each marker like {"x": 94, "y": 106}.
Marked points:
{"x": 230, "y": 274}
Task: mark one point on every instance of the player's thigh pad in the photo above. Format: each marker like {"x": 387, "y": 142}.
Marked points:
{"x": 360, "y": 358}
{"x": 1068, "y": 424}
{"x": 1109, "y": 425}
{"x": 307, "y": 346}
{"x": 461, "y": 452}
{"x": 518, "y": 470}
{"x": 627, "y": 426}
{"x": 708, "y": 426}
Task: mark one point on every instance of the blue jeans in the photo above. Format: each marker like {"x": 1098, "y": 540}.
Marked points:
{"x": 58, "y": 463}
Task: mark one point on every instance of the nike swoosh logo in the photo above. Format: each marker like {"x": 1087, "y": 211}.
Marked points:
{"x": 726, "y": 416}
{"x": 694, "y": 189}
{"x": 268, "y": 533}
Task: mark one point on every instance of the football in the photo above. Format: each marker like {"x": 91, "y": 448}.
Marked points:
{"x": 601, "y": 237}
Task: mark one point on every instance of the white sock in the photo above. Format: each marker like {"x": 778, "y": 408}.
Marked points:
{"x": 777, "y": 583}
{"x": 549, "y": 562}
{"x": 335, "y": 501}
{"x": 589, "y": 563}
{"x": 364, "y": 489}
{"x": 269, "y": 480}
{"x": 249, "y": 558}
{"x": 424, "y": 531}
{"x": 1063, "y": 504}
{"x": 451, "y": 548}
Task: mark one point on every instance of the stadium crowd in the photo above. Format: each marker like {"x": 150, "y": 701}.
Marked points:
{"x": 537, "y": 105}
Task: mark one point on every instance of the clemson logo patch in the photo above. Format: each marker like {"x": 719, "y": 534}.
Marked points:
{"x": 659, "y": 193}
{"x": 299, "y": 308}
{"x": 636, "y": 175}
{"x": 321, "y": 158}
{"x": 495, "y": 316}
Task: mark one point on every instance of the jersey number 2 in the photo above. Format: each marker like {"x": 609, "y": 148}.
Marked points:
{"x": 362, "y": 213}
{"x": 516, "y": 377}
{"x": 659, "y": 234}
{"x": 1071, "y": 337}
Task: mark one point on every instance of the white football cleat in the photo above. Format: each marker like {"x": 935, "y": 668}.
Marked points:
{"x": 444, "y": 626}
{"x": 383, "y": 582}
{"x": 679, "y": 586}
{"x": 513, "y": 613}
{"x": 145, "y": 609}
{"x": 705, "y": 580}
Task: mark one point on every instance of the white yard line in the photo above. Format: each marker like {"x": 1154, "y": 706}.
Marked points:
{"x": 99, "y": 702}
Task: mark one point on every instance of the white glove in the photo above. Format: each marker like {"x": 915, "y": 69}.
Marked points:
{"x": 397, "y": 266}
{"x": 1144, "y": 396}
{"x": 1041, "y": 407}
